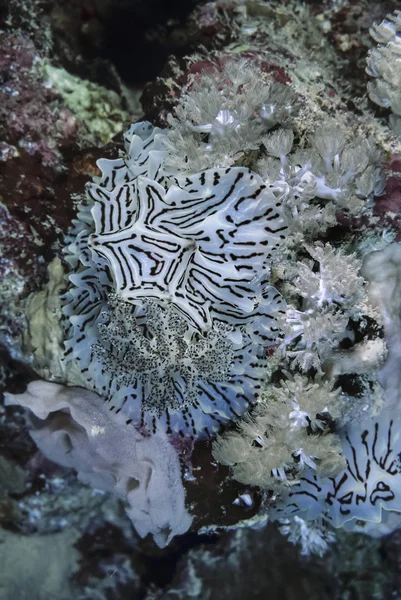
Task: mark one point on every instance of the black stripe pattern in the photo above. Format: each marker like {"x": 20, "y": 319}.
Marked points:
{"x": 203, "y": 245}
{"x": 91, "y": 279}
{"x": 370, "y": 484}
{"x": 170, "y": 312}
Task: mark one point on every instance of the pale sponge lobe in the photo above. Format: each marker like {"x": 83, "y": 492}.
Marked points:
{"x": 73, "y": 429}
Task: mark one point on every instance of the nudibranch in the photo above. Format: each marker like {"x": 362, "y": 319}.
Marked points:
{"x": 369, "y": 485}
{"x": 169, "y": 310}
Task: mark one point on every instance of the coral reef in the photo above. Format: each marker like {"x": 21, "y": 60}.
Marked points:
{"x": 171, "y": 308}
{"x": 230, "y": 274}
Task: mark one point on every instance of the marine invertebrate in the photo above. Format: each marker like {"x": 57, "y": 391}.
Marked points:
{"x": 171, "y": 273}
{"x": 284, "y": 434}
{"x": 164, "y": 359}
{"x": 327, "y": 292}
{"x": 330, "y": 174}
{"x": 337, "y": 281}
{"x": 384, "y": 66}
{"x": 312, "y": 537}
{"x": 185, "y": 381}
{"x": 200, "y": 245}
{"x": 369, "y": 484}
{"x": 225, "y": 113}
{"x": 74, "y": 428}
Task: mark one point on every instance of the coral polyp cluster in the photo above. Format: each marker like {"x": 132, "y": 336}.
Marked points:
{"x": 220, "y": 289}
{"x": 287, "y": 432}
{"x": 383, "y": 64}
{"x": 170, "y": 308}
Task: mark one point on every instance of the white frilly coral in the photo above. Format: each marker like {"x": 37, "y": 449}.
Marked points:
{"x": 327, "y": 292}
{"x": 313, "y": 537}
{"x": 283, "y": 435}
{"x": 73, "y": 428}
{"x": 383, "y": 64}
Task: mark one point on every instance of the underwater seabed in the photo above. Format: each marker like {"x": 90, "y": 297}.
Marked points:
{"x": 200, "y": 284}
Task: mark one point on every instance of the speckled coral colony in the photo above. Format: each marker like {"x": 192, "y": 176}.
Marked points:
{"x": 170, "y": 310}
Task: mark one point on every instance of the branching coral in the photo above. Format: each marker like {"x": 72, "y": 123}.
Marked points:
{"x": 310, "y": 336}
{"x": 315, "y": 182}
{"x": 235, "y": 110}
{"x": 337, "y": 281}
{"x": 311, "y": 403}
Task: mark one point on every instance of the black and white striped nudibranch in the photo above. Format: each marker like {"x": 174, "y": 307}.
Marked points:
{"x": 169, "y": 311}
{"x": 370, "y": 484}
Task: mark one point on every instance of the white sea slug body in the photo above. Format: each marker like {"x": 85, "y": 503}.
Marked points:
{"x": 170, "y": 311}
{"x": 370, "y": 484}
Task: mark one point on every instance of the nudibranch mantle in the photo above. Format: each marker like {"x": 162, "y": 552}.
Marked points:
{"x": 170, "y": 311}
